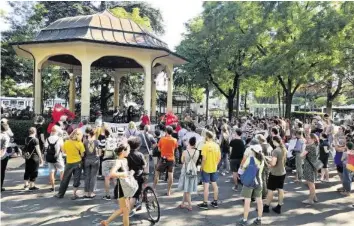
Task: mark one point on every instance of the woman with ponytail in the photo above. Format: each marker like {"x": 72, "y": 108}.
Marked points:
{"x": 310, "y": 156}
{"x": 276, "y": 164}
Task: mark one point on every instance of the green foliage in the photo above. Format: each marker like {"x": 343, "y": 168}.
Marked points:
{"x": 134, "y": 16}
{"x": 299, "y": 100}
{"x": 10, "y": 88}
{"x": 320, "y": 101}
{"x": 350, "y": 101}
{"x": 20, "y": 129}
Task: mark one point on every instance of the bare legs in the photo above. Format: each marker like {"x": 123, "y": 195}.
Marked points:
{"x": 235, "y": 177}
{"x": 187, "y": 198}
{"x": 124, "y": 209}
{"x": 312, "y": 188}
{"x": 270, "y": 197}
{"x": 169, "y": 182}
{"x": 324, "y": 174}
{"x": 206, "y": 191}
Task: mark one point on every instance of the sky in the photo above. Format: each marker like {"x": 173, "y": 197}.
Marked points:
{"x": 174, "y": 12}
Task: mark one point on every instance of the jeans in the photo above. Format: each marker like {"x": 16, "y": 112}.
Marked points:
{"x": 70, "y": 169}
{"x": 225, "y": 163}
{"x": 348, "y": 178}
{"x": 299, "y": 163}
{"x": 91, "y": 169}
{"x": 3, "y": 169}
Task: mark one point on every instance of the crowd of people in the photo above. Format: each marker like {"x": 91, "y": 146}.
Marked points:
{"x": 257, "y": 152}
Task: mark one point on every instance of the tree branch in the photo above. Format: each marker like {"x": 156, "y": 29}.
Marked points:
{"x": 217, "y": 86}
{"x": 339, "y": 88}
{"x": 282, "y": 83}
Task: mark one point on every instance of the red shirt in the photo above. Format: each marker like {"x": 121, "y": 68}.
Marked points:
{"x": 171, "y": 119}
{"x": 145, "y": 120}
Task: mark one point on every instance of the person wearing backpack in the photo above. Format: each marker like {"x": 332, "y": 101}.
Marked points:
{"x": 33, "y": 159}
{"x": 92, "y": 162}
{"x": 251, "y": 174}
{"x": 277, "y": 173}
{"x": 225, "y": 150}
{"x": 188, "y": 180}
{"x": 54, "y": 157}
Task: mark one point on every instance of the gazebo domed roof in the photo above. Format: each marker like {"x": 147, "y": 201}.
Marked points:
{"x": 100, "y": 27}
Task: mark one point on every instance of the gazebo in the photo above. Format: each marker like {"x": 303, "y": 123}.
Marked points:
{"x": 100, "y": 40}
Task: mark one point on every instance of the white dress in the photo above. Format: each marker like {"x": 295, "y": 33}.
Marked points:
{"x": 188, "y": 184}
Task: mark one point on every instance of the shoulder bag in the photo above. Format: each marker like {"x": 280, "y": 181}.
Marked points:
{"x": 27, "y": 155}
{"x": 317, "y": 165}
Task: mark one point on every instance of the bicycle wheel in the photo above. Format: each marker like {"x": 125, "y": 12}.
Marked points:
{"x": 152, "y": 204}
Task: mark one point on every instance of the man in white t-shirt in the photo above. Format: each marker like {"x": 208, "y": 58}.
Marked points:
{"x": 190, "y": 134}
{"x": 57, "y": 143}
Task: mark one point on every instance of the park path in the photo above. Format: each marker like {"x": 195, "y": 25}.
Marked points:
{"x": 20, "y": 207}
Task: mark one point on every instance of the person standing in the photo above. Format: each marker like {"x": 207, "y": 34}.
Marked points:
{"x": 75, "y": 150}
{"x": 131, "y": 131}
{"x": 145, "y": 120}
{"x": 298, "y": 150}
{"x": 167, "y": 146}
{"x": 224, "y": 142}
{"x": 4, "y": 143}
{"x": 53, "y": 146}
{"x": 211, "y": 157}
{"x": 310, "y": 155}
{"x": 188, "y": 180}
{"x": 255, "y": 155}
{"x": 277, "y": 175}
{"x": 339, "y": 145}
{"x": 181, "y": 134}
{"x": 40, "y": 132}
{"x": 237, "y": 147}
{"x": 33, "y": 159}
{"x": 267, "y": 152}
{"x": 92, "y": 162}
{"x": 147, "y": 144}
{"x": 324, "y": 155}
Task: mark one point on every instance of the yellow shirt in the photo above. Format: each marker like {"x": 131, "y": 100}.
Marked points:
{"x": 211, "y": 153}
{"x": 73, "y": 150}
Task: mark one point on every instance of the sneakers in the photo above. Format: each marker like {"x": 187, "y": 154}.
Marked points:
{"x": 203, "y": 206}
{"x": 257, "y": 221}
{"x": 34, "y": 188}
{"x": 265, "y": 209}
{"x": 223, "y": 173}
{"x": 277, "y": 209}
{"x": 241, "y": 223}
{"x": 214, "y": 204}
{"x": 51, "y": 189}
{"x": 138, "y": 206}
{"x": 132, "y": 213}
{"x": 234, "y": 188}
{"x": 307, "y": 201}
{"x": 107, "y": 197}
{"x": 58, "y": 196}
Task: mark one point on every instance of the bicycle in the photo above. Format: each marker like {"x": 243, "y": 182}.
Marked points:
{"x": 152, "y": 205}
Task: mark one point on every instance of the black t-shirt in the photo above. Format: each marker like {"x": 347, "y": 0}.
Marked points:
{"x": 238, "y": 149}
{"x": 30, "y": 146}
{"x": 174, "y": 135}
{"x": 40, "y": 130}
{"x": 136, "y": 162}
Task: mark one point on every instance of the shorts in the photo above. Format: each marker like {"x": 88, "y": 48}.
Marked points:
{"x": 235, "y": 165}
{"x": 209, "y": 177}
{"x": 58, "y": 166}
{"x": 275, "y": 182}
{"x": 339, "y": 169}
{"x": 118, "y": 191}
{"x": 107, "y": 165}
{"x": 162, "y": 166}
{"x": 251, "y": 192}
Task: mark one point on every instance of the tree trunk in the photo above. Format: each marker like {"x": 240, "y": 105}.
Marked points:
{"x": 237, "y": 103}
{"x": 283, "y": 104}
{"x": 288, "y": 101}
{"x": 246, "y": 94}
{"x": 279, "y": 103}
{"x": 207, "y": 101}
{"x": 230, "y": 105}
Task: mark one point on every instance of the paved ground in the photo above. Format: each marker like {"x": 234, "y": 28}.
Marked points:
{"x": 20, "y": 207}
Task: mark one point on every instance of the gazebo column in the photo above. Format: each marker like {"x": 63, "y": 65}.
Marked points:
{"x": 72, "y": 92}
{"x": 85, "y": 89}
{"x": 38, "y": 89}
{"x": 169, "y": 87}
{"x": 147, "y": 88}
{"x": 153, "y": 96}
{"x": 117, "y": 78}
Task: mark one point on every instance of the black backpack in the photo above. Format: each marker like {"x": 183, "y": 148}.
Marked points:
{"x": 50, "y": 156}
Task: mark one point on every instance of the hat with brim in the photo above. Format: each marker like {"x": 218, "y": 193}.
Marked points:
{"x": 256, "y": 148}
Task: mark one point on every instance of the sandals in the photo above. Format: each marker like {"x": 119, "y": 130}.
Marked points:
{"x": 189, "y": 208}
{"x": 104, "y": 223}
{"x": 74, "y": 197}
{"x": 180, "y": 206}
